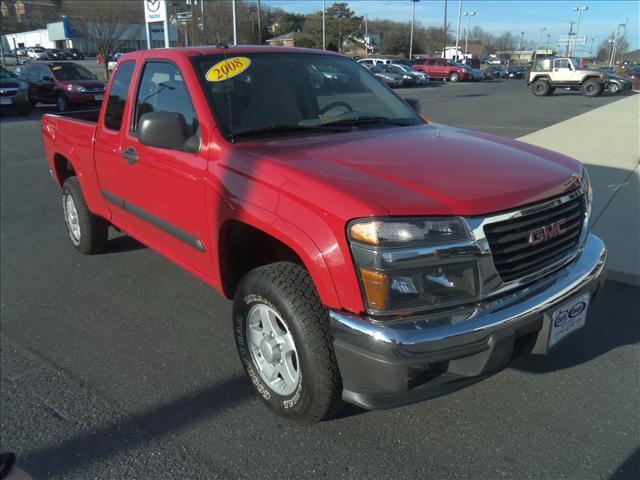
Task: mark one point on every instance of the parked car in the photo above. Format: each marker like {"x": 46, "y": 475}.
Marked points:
{"x": 371, "y": 256}
{"x": 73, "y": 53}
{"x": 409, "y": 79}
{"x": 516, "y": 71}
{"x": 66, "y": 84}
{"x": 37, "y": 53}
{"x": 391, "y": 79}
{"x": 549, "y": 73}
{"x": 421, "y": 78}
{"x": 497, "y": 71}
{"x": 55, "y": 54}
{"x": 14, "y": 94}
{"x": 616, "y": 84}
{"x": 442, "y": 69}
{"x": 472, "y": 62}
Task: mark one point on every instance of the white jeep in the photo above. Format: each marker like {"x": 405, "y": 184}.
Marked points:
{"x": 549, "y": 73}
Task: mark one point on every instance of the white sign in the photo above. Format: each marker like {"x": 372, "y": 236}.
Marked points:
{"x": 572, "y": 40}
{"x": 155, "y": 11}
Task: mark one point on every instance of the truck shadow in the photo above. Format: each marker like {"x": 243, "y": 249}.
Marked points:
{"x": 612, "y": 323}
{"x": 123, "y": 243}
{"x": 135, "y": 431}
{"x": 629, "y": 469}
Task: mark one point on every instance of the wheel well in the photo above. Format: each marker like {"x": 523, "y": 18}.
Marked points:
{"x": 592, "y": 77}
{"x": 64, "y": 168}
{"x": 243, "y": 248}
{"x": 541, "y": 77}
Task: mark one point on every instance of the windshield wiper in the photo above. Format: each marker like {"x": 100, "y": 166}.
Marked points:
{"x": 369, "y": 120}
{"x": 285, "y": 129}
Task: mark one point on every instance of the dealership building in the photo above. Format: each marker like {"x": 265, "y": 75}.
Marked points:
{"x": 62, "y": 35}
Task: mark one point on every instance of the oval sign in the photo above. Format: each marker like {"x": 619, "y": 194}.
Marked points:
{"x": 227, "y": 69}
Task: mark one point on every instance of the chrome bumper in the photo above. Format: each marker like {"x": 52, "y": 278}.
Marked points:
{"x": 378, "y": 360}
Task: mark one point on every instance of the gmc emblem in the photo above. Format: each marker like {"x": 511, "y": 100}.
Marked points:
{"x": 547, "y": 232}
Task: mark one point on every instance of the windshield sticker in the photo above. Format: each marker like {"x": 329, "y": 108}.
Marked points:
{"x": 57, "y": 67}
{"x": 227, "y": 69}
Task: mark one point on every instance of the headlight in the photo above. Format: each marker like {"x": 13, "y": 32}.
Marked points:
{"x": 76, "y": 88}
{"x": 586, "y": 188}
{"x": 408, "y": 232}
{"x": 424, "y": 278}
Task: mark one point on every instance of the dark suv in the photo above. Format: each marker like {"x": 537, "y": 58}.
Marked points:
{"x": 62, "y": 83}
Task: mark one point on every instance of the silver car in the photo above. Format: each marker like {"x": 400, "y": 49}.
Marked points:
{"x": 419, "y": 78}
{"x": 391, "y": 79}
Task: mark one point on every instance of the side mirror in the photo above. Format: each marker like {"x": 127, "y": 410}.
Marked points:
{"x": 166, "y": 130}
{"x": 414, "y": 103}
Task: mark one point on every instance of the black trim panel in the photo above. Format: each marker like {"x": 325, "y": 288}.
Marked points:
{"x": 157, "y": 222}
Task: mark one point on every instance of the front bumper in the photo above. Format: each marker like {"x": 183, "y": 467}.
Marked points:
{"x": 394, "y": 362}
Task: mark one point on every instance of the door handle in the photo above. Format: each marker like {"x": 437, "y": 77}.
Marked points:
{"x": 130, "y": 156}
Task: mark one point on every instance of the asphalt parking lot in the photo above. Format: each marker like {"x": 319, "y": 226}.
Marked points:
{"x": 122, "y": 365}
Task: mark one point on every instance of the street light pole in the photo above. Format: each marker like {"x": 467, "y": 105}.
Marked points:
{"x": 413, "y": 22}
{"x": 458, "y": 29}
{"x": 324, "y": 32}
{"x": 521, "y": 40}
{"x": 466, "y": 39}
{"x": 579, "y": 10}
{"x": 235, "y": 33}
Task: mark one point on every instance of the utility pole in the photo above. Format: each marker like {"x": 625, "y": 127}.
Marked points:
{"x": 570, "y": 34}
{"x": 591, "y": 49}
{"x": 235, "y": 33}
{"x": 458, "y": 29}
{"x": 581, "y": 9}
{"x": 259, "y": 24}
{"x": 444, "y": 39}
{"x": 324, "y": 30}
{"x": 466, "y": 37}
{"x": 521, "y": 40}
{"x": 413, "y": 21}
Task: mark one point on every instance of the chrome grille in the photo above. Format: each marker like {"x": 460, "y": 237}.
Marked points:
{"x": 515, "y": 257}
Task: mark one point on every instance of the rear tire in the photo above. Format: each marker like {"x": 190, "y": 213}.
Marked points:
{"x": 541, "y": 88}
{"x": 454, "y": 77}
{"x": 282, "y": 333}
{"x": 591, "y": 88}
{"x": 613, "y": 88}
{"x": 88, "y": 232}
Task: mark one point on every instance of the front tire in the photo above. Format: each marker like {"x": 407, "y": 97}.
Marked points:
{"x": 88, "y": 232}
{"x": 613, "y": 88}
{"x": 284, "y": 342}
{"x": 591, "y": 88}
{"x": 454, "y": 77}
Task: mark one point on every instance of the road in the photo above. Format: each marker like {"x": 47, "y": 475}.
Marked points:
{"x": 121, "y": 365}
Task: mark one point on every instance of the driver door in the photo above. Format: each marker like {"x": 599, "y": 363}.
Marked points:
{"x": 562, "y": 71}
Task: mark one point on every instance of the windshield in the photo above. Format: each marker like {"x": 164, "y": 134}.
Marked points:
{"x": 289, "y": 92}
{"x": 72, "y": 72}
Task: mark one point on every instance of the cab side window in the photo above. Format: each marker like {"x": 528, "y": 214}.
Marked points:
{"x": 431, "y": 62}
{"x": 162, "y": 89}
{"x": 561, "y": 63}
{"x": 118, "y": 95}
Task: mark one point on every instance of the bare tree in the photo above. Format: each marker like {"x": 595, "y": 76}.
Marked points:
{"x": 107, "y": 24}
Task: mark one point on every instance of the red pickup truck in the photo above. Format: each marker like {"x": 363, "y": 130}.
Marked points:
{"x": 443, "y": 69}
{"x": 372, "y": 257}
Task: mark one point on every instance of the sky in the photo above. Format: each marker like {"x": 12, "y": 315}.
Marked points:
{"x": 498, "y": 16}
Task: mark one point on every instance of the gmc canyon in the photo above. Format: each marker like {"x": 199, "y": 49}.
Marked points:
{"x": 372, "y": 256}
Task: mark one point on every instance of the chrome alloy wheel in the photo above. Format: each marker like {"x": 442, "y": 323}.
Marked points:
{"x": 273, "y": 349}
{"x": 71, "y": 217}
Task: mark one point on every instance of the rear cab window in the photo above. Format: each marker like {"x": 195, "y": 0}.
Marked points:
{"x": 118, "y": 95}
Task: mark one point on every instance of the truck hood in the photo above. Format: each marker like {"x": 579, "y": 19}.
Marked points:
{"x": 421, "y": 170}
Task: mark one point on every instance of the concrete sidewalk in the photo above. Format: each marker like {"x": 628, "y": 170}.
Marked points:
{"x": 607, "y": 141}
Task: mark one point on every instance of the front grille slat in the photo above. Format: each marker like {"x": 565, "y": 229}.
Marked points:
{"x": 514, "y": 257}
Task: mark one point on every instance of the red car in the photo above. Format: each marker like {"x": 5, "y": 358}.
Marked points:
{"x": 441, "y": 68}
{"x": 372, "y": 257}
{"x": 66, "y": 84}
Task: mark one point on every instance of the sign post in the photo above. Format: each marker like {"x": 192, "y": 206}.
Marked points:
{"x": 156, "y": 11}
